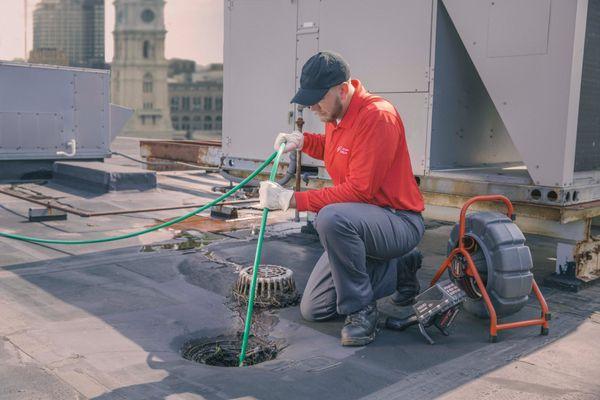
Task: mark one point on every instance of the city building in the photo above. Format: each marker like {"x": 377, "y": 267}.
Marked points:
{"x": 93, "y": 33}
{"x": 178, "y": 66}
{"x": 69, "y": 28}
{"x": 196, "y": 99}
{"x": 139, "y": 68}
{"x": 48, "y": 56}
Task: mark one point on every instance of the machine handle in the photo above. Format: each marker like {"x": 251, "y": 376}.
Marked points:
{"x": 510, "y": 212}
{"x": 72, "y": 144}
{"x": 400, "y": 324}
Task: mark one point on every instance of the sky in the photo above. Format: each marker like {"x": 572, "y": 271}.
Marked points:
{"x": 195, "y": 29}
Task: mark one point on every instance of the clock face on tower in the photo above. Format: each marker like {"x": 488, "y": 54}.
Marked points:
{"x": 147, "y": 15}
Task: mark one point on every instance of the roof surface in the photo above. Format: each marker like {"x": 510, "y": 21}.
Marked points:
{"x": 107, "y": 321}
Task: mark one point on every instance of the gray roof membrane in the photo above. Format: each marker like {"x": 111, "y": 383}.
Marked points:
{"x": 107, "y": 321}
{"x": 111, "y": 325}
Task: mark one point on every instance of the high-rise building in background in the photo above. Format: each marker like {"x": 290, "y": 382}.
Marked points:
{"x": 69, "y": 30}
{"x": 139, "y": 68}
{"x": 93, "y": 33}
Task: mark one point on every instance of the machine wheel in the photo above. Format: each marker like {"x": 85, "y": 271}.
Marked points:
{"x": 544, "y": 331}
{"x": 502, "y": 259}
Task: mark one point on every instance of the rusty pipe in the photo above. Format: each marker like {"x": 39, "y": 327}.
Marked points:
{"x": 86, "y": 214}
{"x": 300, "y": 125}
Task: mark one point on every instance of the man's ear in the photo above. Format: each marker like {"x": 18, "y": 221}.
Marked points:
{"x": 344, "y": 89}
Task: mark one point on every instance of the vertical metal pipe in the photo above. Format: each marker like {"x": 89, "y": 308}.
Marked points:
{"x": 299, "y": 124}
{"x": 25, "y": 45}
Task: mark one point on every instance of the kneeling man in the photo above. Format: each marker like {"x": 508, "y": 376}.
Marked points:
{"x": 369, "y": 222}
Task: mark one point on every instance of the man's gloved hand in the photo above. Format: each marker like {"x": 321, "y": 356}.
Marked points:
{"x": 293, "y": 141}
{"x": 274, "y": 196}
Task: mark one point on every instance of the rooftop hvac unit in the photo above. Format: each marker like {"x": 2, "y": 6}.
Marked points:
{"x": 50, "y": 113}
{"x": 497, "y": 97}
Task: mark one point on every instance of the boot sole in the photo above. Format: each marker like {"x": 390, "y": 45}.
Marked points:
{"x": 355, "y": 342}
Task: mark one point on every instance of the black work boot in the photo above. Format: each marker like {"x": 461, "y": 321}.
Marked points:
{"x": 360, "y": 327}
{"x": 407, "y": 284}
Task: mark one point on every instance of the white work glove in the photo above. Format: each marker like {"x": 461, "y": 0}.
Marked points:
{"x": 293, "y": 141}
{"x": 274, "y": 196}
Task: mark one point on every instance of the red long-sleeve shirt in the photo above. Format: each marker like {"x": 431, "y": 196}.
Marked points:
{"x": 366, "y": 156}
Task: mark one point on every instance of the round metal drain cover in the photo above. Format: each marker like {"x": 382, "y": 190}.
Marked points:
{"x": 225, "y": 351}
{"x": 275, "y": 286}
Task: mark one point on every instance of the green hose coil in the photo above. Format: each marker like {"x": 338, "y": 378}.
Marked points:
{"x": 275, "y": 156}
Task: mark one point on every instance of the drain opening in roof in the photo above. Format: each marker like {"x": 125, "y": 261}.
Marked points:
{"x": 225, "y": 351}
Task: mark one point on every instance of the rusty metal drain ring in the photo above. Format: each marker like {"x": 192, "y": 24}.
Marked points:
{"x": 275, "y": 286}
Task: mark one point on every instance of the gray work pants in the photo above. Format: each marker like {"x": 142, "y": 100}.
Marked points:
{"x": 363, "y": 246}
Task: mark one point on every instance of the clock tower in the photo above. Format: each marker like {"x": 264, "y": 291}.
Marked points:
{"x": 139, "y": 68}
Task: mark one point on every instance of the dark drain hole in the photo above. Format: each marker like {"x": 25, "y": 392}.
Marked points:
{"x": 225, "y": 351}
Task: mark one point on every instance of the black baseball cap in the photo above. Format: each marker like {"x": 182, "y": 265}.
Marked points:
{"x": 321, "y": 72}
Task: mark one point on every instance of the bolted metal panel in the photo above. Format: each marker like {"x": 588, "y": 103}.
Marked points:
{"x": 43, "y": 107}
{"x": 307, "y": 44}
{"x": 386, "y": 42}
{"x": 308, "y": 16}
{"x": 259, "y": 68}
{"x": 30, "y": 96}
{"x": 20, "y": 131}
{"x": 528, "y": 32}
{"x": 413, "y": 109}
{"x": 466, "y": 127}
{"x": 587, "y": 153}
{"x": 536, "y": 95}
{"x": 379, "y": 55}
{"x": 91, "y": 111}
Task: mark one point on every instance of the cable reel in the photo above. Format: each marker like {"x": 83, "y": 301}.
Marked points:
{"x": 500, "y": 256}
{"x": 458, "y": 271}
{"x": 458, "y": 275}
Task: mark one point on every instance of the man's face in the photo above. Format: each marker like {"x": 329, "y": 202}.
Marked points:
{"x": 330, "y": 107}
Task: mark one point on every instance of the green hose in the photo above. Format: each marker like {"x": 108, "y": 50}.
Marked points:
{"x": 257, "y": 258}
{"x": 275, "y": 156}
